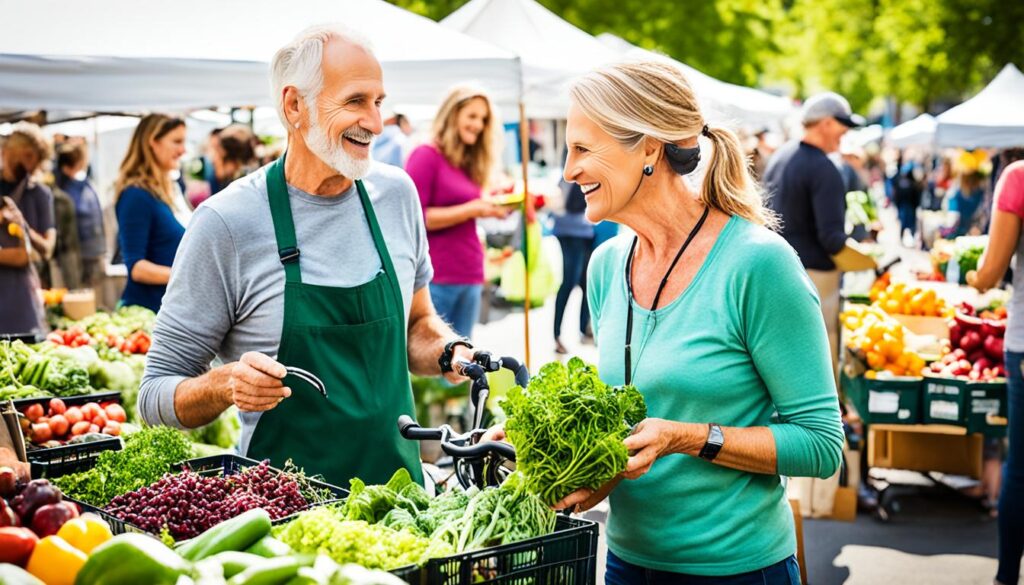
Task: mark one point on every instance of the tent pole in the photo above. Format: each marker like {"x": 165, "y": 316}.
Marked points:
{"x": 524, "y": 156}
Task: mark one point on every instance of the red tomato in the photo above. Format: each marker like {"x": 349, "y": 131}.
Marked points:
{"x": 16, "y": 544}
{"x": 57, "y": 406}
{"x": 94, "y": 428}
{"x": 59, "y": 425}
{"x": 100, "y": 420}
{"x": 113, "y": 428}
{"x": 41, "y": 433}
{"x": 115, "y": 412}
{"x": 91, "y": 410}
{"x": 34, "y": 412}
{"x": 80, "y": 428}
{"x": 74, "y": 415}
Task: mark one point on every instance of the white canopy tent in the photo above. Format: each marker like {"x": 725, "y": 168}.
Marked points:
{"x": 138, "y": 55}
{"x": 552, "y": 50}
{"x": 917, "y": 132}
{"x": 994, "y": 118}
{"x": 724, "y": 103}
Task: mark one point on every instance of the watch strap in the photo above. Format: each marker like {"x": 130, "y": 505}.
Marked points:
{"x": 715, "y": 440}
{"x": 445, "y": 361}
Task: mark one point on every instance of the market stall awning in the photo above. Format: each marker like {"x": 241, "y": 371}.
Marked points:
{"x": 552, "y": 50}
{"x": 136, "y": 55}
{"x": 724, "y": 102}
{"x": 994, "y": 118}
{"x": 917, "y": 132}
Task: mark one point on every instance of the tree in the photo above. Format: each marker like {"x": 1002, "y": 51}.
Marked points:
{"x": 727, "y": 39}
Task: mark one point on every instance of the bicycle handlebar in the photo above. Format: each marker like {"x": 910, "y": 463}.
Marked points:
{"x": 480, "y": 449}
{"x": 410, "y": 429}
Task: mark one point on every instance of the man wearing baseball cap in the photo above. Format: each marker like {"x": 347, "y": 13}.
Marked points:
{"x": 807, "y": 191}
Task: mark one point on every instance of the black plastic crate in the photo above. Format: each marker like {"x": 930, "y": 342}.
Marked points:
{"x": 567, "y": 556}
{"x": 223, "y": 465}
{"x": 100, "y": 397}
{"x": 69, "y": 458}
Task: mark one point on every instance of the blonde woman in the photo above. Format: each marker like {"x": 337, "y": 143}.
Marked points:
{"x": 450, "y": 173}
{"x": 711, "y": 315}
{"x": 146, "y": 204}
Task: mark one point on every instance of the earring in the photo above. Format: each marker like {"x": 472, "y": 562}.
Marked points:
{"x": 297, "y": 125}
{"x": 648, "y": 170}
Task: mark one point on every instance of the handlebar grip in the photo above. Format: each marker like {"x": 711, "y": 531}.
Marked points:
{"x": 410, "y": 429}
{"x": 480, "y": 449}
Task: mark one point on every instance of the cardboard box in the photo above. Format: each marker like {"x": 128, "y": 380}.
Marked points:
{"x": 940, "y": 448}
{"x": 937, "y": 326}
{"x": 79, "y": 304}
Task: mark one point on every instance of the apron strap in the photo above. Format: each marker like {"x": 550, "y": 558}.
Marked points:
{"x": 382, "y": 247}
{"x": 284, "y": 227}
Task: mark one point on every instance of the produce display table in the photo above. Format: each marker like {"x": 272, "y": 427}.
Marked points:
{"x": 927, "y": 449}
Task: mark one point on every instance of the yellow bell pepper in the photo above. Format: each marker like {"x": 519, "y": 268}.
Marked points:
{"x": 85, "y": 533}
{"x": 55, "y": 562}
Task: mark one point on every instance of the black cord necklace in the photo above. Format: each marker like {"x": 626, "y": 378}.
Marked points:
{"x": 657, "y": 295}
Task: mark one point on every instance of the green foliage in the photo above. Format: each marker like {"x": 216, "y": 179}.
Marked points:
{"x": 568, "y": 427}
{"x": 146, "y": 457}
{"x": 916, "y": 51}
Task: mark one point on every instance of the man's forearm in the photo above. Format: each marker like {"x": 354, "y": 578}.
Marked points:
{"x": 14, "y": 257}
{"x": 427, "y": 338}
{"x": 198, "y": 401}
{"x": 43, "y": 244}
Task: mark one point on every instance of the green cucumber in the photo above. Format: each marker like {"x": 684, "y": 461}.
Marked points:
{"x": 132, "y": 558}
{"x": 234, "y": 562}
{"x": 273, "y": 571}
{"x": 236, "y": 534}
{"x": 269, "y": 547}
{"x": 15, "y": 575}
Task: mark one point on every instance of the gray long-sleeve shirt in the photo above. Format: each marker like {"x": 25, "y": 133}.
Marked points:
{"x": 807, "y": 191}
{"x": 226, "y": 293}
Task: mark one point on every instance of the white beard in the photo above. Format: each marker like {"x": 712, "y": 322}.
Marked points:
{"x": 334, "y": 155}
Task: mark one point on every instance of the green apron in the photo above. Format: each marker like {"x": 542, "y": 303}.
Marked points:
{"x": 354, "y": 339}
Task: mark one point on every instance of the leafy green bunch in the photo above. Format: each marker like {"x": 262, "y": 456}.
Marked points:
{"x": 146, "y": 457}
{"x": 568, "y": 426}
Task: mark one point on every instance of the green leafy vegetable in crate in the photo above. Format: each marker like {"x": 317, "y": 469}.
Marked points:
{"x": 568, "y": 427}
{"x": 23, "y": 365}
{"x": 146, "y": 457}
{"x": 326, "y": 531}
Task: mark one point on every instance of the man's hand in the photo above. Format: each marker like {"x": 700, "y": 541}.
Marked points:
{"x": 584, "y": 499}
{"x": 459, "y": 354}
{"x": 11, "y": 213}
{"x": 255, "y": 383}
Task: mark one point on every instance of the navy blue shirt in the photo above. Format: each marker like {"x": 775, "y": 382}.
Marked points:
{"x": 807, "y": 191}
{"x": 88, "y": 215}
{"x": 148, "y": 231}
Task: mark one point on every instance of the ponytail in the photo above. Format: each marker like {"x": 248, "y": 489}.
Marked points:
{"x": 728, "y": 185}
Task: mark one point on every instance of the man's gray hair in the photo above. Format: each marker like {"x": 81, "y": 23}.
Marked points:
{"x": 299, "y": 64}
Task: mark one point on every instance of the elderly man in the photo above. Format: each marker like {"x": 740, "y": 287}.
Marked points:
{"x": 27, "y": 230}
{"x": 318, "y": 261}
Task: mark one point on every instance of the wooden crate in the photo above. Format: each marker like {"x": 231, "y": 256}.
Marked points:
{"x": 939, "y": 448}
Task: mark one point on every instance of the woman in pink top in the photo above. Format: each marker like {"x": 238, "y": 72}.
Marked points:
{"x": 450, "y": 173}
{"x": 1004, "y": 241}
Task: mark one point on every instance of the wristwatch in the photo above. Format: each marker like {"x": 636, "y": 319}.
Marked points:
{"x": 445, "y": 361}
{"x": 714, "y": 443}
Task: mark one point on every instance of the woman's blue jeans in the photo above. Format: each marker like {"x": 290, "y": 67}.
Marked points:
{"x": 458, "y": 304}
{"x": 619, "y": 572}
{"x": 1011, "y": 497}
